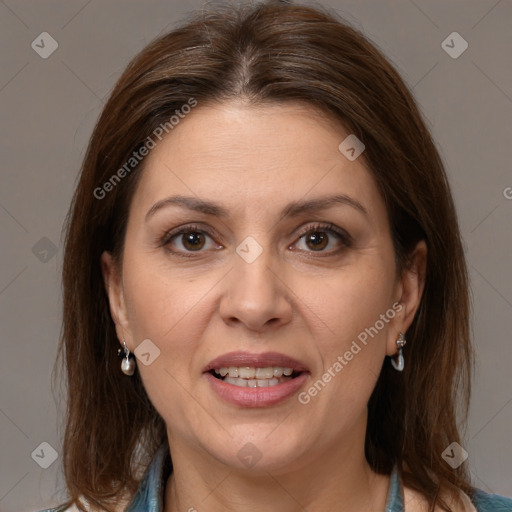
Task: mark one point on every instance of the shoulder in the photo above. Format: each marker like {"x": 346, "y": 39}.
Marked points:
{"x": 480, "y": 502}
{"x": 120, "y": 506}
{"x": 60, "y": 509}
{"x": 491, "y": 502}
{"x": 72, "y": 508}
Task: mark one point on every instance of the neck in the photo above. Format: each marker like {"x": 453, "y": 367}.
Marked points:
{"x": 335, "y": 479}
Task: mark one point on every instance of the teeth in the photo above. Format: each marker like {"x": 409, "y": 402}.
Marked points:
{"x": 237, "y": 382}
{"x": 248, "y": 376}
{"x": 247, "y": 372}
{"x": 264, "y": 373}
{"x": 255, "y": 383}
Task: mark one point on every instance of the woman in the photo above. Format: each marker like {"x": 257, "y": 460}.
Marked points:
{"x": 264, "y": 282}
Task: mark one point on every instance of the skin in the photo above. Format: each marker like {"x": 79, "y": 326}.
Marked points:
{"x": 306, "y": 303}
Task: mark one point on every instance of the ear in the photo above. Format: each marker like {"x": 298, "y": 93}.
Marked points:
{"x": 112, "y": 280}
{"x": 409, "y": 291}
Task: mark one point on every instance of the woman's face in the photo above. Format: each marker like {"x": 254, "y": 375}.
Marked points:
{"x": 253, "y": 244}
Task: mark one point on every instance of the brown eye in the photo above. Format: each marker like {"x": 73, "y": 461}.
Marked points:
{"x": 317, "y": 240}
{"x": 327, "y": 239}
{"x": 188, "y": 240}
{"x": 193, "y": 240}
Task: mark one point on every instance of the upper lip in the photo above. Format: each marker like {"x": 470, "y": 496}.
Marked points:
{"x": 263, "y": 360}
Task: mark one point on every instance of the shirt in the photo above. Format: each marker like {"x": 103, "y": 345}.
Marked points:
{"x": 150, "y": 493}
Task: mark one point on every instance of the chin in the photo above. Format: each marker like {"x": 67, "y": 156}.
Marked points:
{"x": 260, "y": 450}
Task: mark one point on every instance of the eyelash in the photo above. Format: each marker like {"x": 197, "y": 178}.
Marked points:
{"x": 329, "y": 228}
{"x": 190, "y": 228}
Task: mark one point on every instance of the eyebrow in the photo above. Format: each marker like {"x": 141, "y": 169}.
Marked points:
{"x": 322, "y": 203}
{"x": 291, "y": 210}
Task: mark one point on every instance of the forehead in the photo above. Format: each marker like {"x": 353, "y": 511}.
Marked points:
{"x": 252, "y": 156}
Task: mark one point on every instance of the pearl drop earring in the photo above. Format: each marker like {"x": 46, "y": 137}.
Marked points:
{"x": 128, "y": 363}
{"x": 398, "y": 365}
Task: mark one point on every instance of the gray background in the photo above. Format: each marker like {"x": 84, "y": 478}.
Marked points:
{"x": 48, "y": 108}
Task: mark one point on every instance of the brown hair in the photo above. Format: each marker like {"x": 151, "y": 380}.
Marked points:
{"x": 270, "y": 52}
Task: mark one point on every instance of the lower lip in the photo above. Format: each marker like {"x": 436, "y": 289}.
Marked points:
{"x": 256, "y": 397}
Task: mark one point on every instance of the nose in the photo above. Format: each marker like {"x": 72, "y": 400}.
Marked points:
{"x": 255, "y": 296}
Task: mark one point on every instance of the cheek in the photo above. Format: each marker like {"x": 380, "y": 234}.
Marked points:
{"x": 352, "y": 314}
{"x": 160, "y": 303}
{"x": 349, "y": 301}
{"x": 167, "y": 310}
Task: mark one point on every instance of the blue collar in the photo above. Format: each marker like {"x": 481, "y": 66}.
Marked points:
{"x": 395, "y": 501}
{"x": 150, "y": 494}
{"x": 151, "y": 491}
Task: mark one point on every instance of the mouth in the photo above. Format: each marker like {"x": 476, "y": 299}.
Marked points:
{"x": 255, "y": 380}
{"x": 255, "y": 377}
